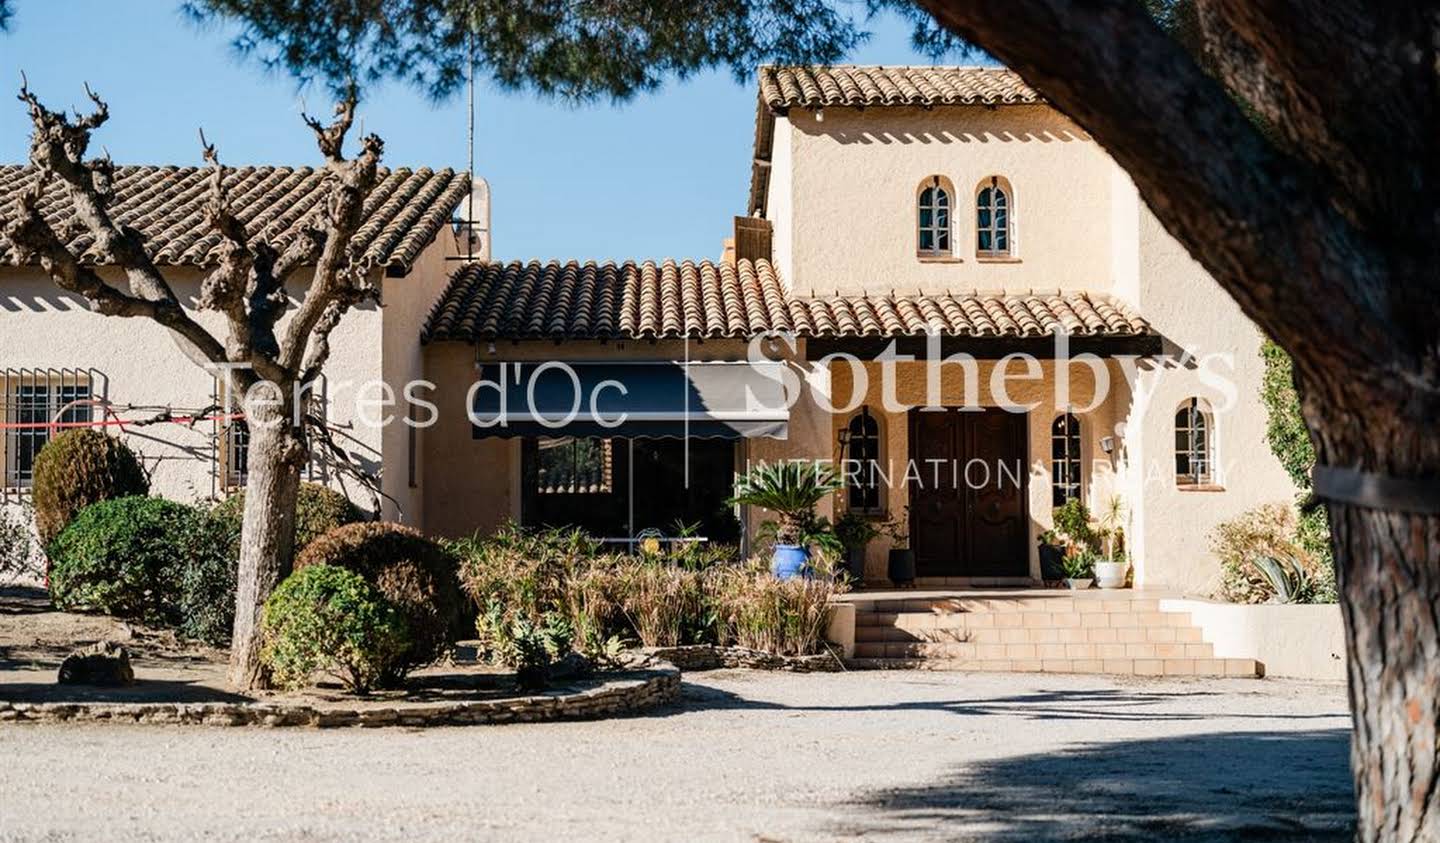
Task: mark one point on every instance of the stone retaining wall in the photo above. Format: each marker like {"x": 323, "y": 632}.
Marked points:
{"x": 654, "y": 684}
{"x": 705, "y": 657}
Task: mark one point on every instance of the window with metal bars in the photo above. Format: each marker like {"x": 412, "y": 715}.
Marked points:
{"x": 232, "y": 442}
{"x": 35, "y": 406}
{"x": 1064, "y": 459}
{"x": 1194, "y": 444}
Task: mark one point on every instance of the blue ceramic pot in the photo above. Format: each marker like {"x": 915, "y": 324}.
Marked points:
{"x": 790, "y": 561}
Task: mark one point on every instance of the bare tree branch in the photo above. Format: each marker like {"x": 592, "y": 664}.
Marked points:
{"x": 57, "y": 149}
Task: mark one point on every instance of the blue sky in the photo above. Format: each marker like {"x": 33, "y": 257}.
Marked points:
{"x": 659, "y": 176}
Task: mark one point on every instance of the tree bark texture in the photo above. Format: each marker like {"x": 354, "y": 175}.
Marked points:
{"x": 1317, "y": 208}
{"x": 276, "y": 457}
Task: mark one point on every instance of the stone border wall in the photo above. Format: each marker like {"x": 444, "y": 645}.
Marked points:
{"x": 698, "y": 657}
{"x": 655, "y": 684}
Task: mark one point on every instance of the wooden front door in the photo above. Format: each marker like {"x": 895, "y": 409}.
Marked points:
{"x": 968, "y": 501}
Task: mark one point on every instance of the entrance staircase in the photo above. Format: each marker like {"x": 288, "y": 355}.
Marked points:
{"x": 1114, "y": 632}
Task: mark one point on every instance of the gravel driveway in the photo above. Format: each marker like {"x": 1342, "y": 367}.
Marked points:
{"x": 748, "y": 756}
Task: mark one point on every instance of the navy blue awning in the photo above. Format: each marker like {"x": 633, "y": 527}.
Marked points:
{"x": 630, "y": 399}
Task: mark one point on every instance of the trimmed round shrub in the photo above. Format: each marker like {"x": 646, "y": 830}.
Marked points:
{"x": 123, "y": 557}
{"x": 318, "y": 510}
{"x": 413, "y": 572}
{"x": 324, "y": 618}
{"x": 78, "y": 468}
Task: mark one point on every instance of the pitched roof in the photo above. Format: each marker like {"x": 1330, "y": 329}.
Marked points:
{"x": 839, "y": 86}
{"x": 487, "y": 301}
{"x": 166, "y": 204}
{"x": 853, "y": 85}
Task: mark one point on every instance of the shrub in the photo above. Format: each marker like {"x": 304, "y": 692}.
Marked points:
{"x": 1269, "y": 532}
{"x": 123, "y": 557}
{"x": 324, "y": 618}
{"x": 414, "y": 573}
{"x": 756, "y": 610}
{"x": 17, "y": 545}
{"x": 206, "y": 582}
{"x": 318, "y": 510}
{"x": 78, "y": 468}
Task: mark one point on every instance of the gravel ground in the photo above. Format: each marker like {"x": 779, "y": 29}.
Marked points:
{"x": 747, "y": 756}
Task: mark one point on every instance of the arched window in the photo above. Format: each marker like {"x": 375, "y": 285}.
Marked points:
{"x": 934, "y": 218}
{"x": 862, "y": 467}
{"x": 1194, "y": 444}
{"x": 993, "y": 208}
{"x": 1064, "y": 459}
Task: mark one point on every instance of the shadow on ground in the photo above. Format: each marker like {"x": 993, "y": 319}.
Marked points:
{"x": 1104, "y": 704}
{"x": 1232, "y": 786}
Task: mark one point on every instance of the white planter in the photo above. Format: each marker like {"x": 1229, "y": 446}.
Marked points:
{"x": 1111, "y": 574}
{"x": 1077, "y": 585}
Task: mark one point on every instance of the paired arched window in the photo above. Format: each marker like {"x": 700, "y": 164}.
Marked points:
{"x": 862, "y": 468}
{"x": 1064, "y": 459}
{"x": 1194, "y": 443}
{"x": 933, "y": 220}
{"x": 993, "y": 206}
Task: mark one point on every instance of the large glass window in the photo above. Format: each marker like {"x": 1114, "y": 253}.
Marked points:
{"x": 1194, "y": 444}
{"x": 570, "y": 465}
{"x": 1064, "y": 458}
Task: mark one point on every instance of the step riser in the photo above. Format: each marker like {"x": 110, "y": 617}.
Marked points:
{"x": 1002, "y": 652}
{"x": 1012, "y": 620}
{"x": 1032, "y": 635}
{"x": 1234, "y": 668}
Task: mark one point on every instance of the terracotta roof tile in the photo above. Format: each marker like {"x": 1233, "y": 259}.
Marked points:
{"x": 402, "y": 214}
{"x": 853, "y": 85}
{"x": 487, "y": 301}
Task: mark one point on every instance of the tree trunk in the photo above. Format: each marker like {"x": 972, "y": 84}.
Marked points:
{"x": 267, "y": 538}
{"x": 1388, "y": 568}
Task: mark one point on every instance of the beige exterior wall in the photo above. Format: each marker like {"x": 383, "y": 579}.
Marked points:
{"x": 135, "y": 362}
{"x": 852, "y": 182}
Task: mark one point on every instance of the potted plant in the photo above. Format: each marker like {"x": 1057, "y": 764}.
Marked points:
{"x": 1052, "y": 558}
{"x": 901, "y": 568}
{"x": 791, "y": 490}
{"x": 1080, "y": 568}
{"x": 1110, "y": 571}
{"x": 855, "y": 532}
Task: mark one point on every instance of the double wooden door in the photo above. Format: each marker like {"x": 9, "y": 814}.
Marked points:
{"x": 968, "y": 500}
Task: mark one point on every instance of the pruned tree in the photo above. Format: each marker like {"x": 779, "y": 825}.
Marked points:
{"x": 268, "y": 363}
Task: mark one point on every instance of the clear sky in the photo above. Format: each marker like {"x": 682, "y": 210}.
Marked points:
{"x": 658, "y": 176}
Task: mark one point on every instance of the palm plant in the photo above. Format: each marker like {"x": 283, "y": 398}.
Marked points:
{"x": 791, "y": 490}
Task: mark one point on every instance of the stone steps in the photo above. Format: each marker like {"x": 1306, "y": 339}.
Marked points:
{"x": 1115, "y": 632}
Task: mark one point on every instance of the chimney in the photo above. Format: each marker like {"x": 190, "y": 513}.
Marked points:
{"x": 727, "y": 250}
{"x": 752, "y": 238}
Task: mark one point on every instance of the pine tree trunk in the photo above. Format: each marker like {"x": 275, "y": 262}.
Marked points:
{"x": 1388, "y": 566}
{"x": 276, "y": 457}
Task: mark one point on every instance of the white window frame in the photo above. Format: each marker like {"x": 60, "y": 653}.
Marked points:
{"x": 1073, "y": 435}
{"x": 936, "y": 198}
{"x": 1197, "y": 418}
{"x": 995, "y": 196}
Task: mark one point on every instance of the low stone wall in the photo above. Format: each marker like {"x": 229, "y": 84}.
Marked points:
{"x": 705, "y": 657}
{"x": 1291, "y": 641}
{"x": 636, "y": 690}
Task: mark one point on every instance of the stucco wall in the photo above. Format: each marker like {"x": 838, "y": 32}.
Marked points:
{"x": 1198, "y": 319}
{"x": 135, "y": 362}
{"x": 853, "y": 189}
{"x": 1294, "y": 642}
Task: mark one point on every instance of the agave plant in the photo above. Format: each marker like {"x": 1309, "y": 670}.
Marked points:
{"x": 791, "y": 490}
{"x": 1287, "y": 576}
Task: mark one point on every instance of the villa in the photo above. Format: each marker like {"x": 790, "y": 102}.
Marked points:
{"x": 939, "y": 282}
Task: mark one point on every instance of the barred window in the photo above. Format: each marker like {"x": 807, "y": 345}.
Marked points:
{"x": 38, "y": 404}
{"x": 1064, "y": 459}
{"x": 1194, "y": 444}
{"x": 232, "y": 441}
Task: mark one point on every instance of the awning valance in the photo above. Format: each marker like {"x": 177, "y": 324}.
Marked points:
{"x": 630, "y": 399}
